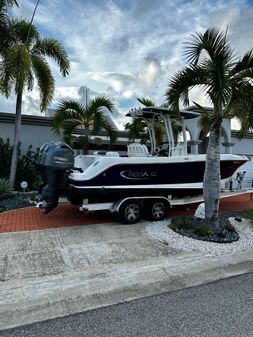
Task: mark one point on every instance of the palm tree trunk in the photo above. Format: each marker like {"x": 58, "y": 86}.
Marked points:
{"x": 211, "y": 187}
{"x": 17, "y": 132}
{"x": 86, "y": 140}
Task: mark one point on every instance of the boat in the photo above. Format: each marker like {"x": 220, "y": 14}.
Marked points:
{"x": 146, "y": 171}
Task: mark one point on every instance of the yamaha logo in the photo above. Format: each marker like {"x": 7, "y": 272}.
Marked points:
{"x": 137, "y": 175}
{"x": 61, "y": 159}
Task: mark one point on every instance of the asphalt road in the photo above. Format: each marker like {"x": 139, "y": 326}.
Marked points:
{"x": 220, "y": 309}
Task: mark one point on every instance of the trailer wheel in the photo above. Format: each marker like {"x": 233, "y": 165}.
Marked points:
{"x": 131, "y": 211}
{"x": 158, "y": 209}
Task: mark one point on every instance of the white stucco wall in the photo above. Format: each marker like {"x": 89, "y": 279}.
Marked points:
{"x": 34, "y": 135}
{"x": 244, "y": 147}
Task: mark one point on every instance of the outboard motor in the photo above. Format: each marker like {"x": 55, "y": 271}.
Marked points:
{"x": 54, "y": 160}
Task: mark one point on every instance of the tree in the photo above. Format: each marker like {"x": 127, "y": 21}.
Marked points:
{"x": 138, "y": 126}
{"x": 5, "y": 5}
{"x": 71, "y": 115}
{"x": 136, "y": 129}
{"x": 24, "y": 60}
{"x": 227, "y": 82}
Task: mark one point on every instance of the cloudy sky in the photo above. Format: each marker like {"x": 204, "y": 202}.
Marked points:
{"x": 128, "y": 48}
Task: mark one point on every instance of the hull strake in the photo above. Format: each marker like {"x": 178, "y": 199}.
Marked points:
{"x": 112, "y": 194}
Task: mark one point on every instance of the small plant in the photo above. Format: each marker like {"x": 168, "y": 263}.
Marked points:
{"x": 181, "y": 222}
{"x": 26, "y": 165}
{"x": 5, "y": 190}
{"x": 26, "y": 170}
{"x": 34, "y": 199}
{"x": 249, "y": 214}
{"x": 203, "y": 230}
{"x": 230, "y": 228}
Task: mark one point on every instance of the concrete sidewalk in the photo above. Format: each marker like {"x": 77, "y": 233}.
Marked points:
{"x": 56, "y": 272}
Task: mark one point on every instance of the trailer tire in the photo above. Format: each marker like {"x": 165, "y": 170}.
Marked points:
{"x": 131, "y": 211}
{"x": 158, "y": 209}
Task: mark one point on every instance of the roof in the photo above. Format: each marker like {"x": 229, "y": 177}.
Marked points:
{"x": 148, "y": 112}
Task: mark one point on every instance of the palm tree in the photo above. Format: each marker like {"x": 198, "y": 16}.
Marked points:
{"x": 5, "y": 5}
{"x": 225, "y": 82}
{"x": 136, "y": 129}
{"x": 138, "y": 126}
{"x": 71, "y": 115}
{"x": 23, "y": 61}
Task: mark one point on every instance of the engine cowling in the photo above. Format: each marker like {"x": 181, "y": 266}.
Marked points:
{"x": 54, "y": 160}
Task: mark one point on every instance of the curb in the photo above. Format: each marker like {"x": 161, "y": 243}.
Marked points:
{"x": 23, "y": 303}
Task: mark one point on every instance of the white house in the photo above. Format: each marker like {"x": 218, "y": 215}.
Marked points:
{"x": 36, "y": 131}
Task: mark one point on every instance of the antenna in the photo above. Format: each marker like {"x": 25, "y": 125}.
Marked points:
{"x": 29, "y": 31}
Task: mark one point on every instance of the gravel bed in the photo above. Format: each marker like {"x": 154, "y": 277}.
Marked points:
{"x": 17, "y": 200}
{"x": 161, "y": 232}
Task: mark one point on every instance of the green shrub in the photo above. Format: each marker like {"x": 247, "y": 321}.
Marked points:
{"x": 203, "y": 230}
{"x": 5, "y": 190}
{"x": 26, "y": 165}
{"x": 181, "y": 222}
{"x": 27, "y": 170}
{"x": 249, "y": 214}
{"x": 5, "y": 155}
{"x": 230, "y": 228}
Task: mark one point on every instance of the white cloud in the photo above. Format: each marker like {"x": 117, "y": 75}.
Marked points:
{"x": 129, "y": 49}
{"x": 239, "y": 22}
{"x": 150, "y": 73}
{"x": 128, "y": 94}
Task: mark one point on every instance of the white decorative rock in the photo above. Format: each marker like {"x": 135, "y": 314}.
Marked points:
{"x": 200, "y": 211}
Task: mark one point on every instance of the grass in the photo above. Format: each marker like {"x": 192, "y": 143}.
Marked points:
{"x": 5, "y": 190}
{"x": 230, "y": 228}
{"x": 249, "y": 215}
{"x": 198, "y": 227}
{"x": 202, "y": 230}
{"x": 187, "y": 223}
{"x": 180, "y": 222}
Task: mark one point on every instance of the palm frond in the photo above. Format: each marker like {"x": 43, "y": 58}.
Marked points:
{"x": 45, "y": 80}
{"x": 112, "y": 133}
{"x": 182, "y": 82}
{"x": 53, "y": 49}
{"x": 30, "y": 81}
{"x": 97, "y": 120}
{"x": 18, "y": 62}
{"x": 135, "y": 128}
{"x": 146, "y": 101}
{"x": 6, "y": 79}
{"x": 68, "y": 110}
{"x": 98, "y": 103}
{"x": 20, "y": 29}
{"x": 245, "y": 63}
{"x": 67, "y": 129}
{"x": 241, "y": 107}
{"x": 219, "y": 85}
{"x": 8, "y": 3}
{"x": 246, "y": 74}
{"x": 193, "y": 48}
{"x": 213, "y": 41}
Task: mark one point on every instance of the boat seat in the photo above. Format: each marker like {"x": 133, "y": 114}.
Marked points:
{"x": 179, "y": 150}
{"x": 137, "y": 150}
{"x": 83, "y": 161}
